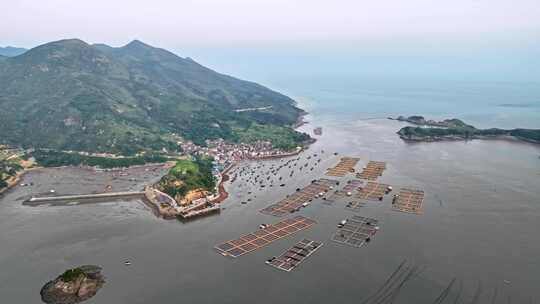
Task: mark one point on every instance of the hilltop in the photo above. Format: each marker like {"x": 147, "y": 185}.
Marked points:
{"x": 71, "y": 95}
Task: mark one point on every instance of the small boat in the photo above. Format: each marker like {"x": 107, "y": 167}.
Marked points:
{"x": 263, "y": 226}
{"x": 127, "y": 263}
{"x": 270, "y": 260}
{"x": 342, "y": 223}
{"x": 305, "y": 204}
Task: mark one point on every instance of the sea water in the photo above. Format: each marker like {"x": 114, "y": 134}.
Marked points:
{"x": 480, "y": 222}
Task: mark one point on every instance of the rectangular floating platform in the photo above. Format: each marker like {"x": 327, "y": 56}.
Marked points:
{"x": 294, "y": 256}
{"x": 347, "y": 191}
{"x": 263, "y": 237}
{"x": 298, "y": 198}
{"x": 356, "y": 232}
{"x": 409, "y": 200}
{"x": 372, "y": 171}
{"x": 350, "y": 187}
{"x": 355, "y": 206}
{"x": 346, "y": 165}
{"x": 373, "y": 191}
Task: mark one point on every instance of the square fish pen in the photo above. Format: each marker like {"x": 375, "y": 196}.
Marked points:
{"x": 373, "y": 191}
{"x": 298, "y": 198}
{"x": 262, "y": 237}
{"x": 409, "y": 200}
{"x": 372, "y": 171}
{"x": 294, "y": 256}
{"x": 356, "y": 231}
{"x": 350, "y": 188}
{"x": 346, "y": 165}
{"x": 355, "y": 205}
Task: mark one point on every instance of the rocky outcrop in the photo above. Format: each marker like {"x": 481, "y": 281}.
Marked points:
{"x": 73, "y": 286}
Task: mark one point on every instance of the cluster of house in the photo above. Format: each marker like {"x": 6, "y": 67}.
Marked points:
{"x": 226, "y": 153}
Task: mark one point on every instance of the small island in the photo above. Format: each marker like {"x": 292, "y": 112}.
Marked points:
{"x": 455, "y": 129}
{"x": 73, "y": 286}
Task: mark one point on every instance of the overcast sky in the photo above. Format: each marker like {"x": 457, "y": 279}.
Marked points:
{"x": 272, "y": 23}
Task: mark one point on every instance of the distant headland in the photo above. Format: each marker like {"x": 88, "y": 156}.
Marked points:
{"x": 455, "y": 129}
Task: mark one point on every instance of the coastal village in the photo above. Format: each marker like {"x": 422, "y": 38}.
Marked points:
{"x": 225, "y": 155}
{"x": 195, "y": 202}
{"x": 176, "y": 196}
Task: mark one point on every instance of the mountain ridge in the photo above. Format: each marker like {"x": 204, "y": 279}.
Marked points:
{"x": 71, "y": 95}
{"x": 11, "y": 51}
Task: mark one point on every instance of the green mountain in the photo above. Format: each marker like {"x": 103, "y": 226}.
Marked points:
{"x": 10, "y": 51}
{"x": 70, "y": 95}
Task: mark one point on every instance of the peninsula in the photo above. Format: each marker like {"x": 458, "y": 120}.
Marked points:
{"x": 455, "y": 129}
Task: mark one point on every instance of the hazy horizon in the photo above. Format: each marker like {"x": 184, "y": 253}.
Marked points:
{"x": 480, "y": 40}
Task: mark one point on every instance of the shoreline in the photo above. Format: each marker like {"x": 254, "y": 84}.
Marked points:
{"x": 224, "y": 176}
{"x": 19, "y": 176}
{"x": 507, "y": 138}
{"x": 456, "y": 130}
{"x": 16, "y": 179}
{"x": 300, "y": 120}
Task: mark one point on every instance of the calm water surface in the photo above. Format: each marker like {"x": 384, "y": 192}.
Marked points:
{"x": 480, "y": 225}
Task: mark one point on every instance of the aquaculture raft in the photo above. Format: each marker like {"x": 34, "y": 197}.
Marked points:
{"x": 372, "y": 191}
{"x": 263, "y": 237}
{"x": 345, "y": 166}
{"x": 409, "y": 200}
{"x": 356, "y": 232}
{"x": 347, "y": 191}
{"x": 373, "y": 170}
{"x": 295, "y": 255}
{"x": 355, "y": 205}
{"x": 295, "y": 200}
{"x": 350, "y": 187}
